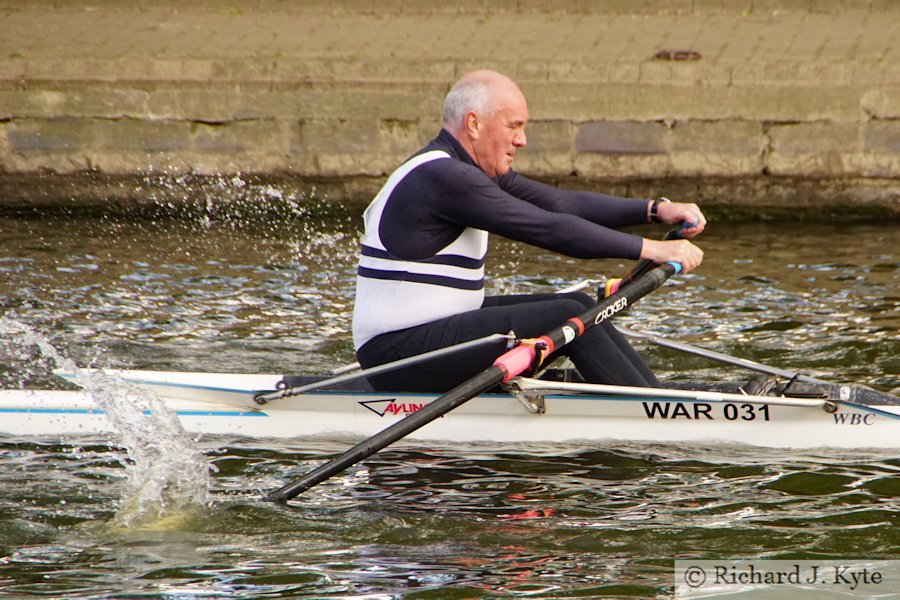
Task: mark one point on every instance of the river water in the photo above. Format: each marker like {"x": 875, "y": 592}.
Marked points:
{"x": 266, "y": 285}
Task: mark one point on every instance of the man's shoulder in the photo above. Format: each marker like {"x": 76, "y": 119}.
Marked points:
{"x": 448, "y": 168}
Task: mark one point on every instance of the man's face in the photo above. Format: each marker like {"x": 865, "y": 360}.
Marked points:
{"x": 500, "y": 135}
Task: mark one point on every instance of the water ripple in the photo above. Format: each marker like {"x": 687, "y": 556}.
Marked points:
{"x": 236, "y": 291}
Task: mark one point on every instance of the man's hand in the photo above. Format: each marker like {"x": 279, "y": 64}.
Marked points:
{"x": 680, "y": 251}
{"x": 675, "y": 213}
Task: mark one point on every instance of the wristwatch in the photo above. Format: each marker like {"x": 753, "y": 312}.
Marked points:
{"x": 654, "y": 209}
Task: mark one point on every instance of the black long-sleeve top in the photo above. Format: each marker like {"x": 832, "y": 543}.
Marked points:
{"x": 434, "y": 203}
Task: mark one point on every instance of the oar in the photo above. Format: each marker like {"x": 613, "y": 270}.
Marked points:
{"x": 645, "y": 265}
{"x": 725, "y": 358}
{"x": 509, "y": 365}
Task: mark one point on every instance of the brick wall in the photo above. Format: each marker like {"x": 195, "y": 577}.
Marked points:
{"x": 781, "y": 92}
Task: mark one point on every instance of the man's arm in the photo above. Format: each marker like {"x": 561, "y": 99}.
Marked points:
{"x": 612, "y": 211}
{"x": 602, "y": 209}
{"x": 474, "y": 200}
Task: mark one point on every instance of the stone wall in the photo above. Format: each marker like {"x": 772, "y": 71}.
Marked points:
{"x": 776, "y": 104}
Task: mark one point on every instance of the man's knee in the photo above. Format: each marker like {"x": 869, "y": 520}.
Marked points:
{"x": 571, "y": 307}
{"x": 584, "y": 301}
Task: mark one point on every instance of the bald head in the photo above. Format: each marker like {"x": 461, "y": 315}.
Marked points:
{"x": 486, "y": 113}
{"x": 480, "y": 92}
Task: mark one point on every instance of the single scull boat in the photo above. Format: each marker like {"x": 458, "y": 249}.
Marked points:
{"x": 528, "y": 410}
{"x": 497, "y": 405}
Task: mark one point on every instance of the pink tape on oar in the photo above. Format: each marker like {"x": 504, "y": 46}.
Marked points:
{"x": 521, "y": 358}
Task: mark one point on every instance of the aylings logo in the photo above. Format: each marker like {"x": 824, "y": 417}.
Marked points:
{"x": 390, "y": 406}
{"x": 620, "y": 304}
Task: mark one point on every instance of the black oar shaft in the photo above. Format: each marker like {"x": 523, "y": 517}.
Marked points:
{"x": 455, "y": 397}
{"x": 606, "y": 308}
{"x": 647, "y": 264}
{"x": 512, "y": 363}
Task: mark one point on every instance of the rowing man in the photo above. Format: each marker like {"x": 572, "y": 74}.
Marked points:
{"x": 420, "y": 284}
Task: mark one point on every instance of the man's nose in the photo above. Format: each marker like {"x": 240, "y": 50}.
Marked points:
{"x": 520, "y": 141}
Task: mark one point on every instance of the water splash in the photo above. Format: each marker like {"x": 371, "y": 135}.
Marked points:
{"x": 167, "y": 476}
{"x": 237, "y": 201}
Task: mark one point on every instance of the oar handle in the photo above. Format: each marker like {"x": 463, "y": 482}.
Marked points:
{"x": 645, "y": 265}
{"x": 675, "y": 234}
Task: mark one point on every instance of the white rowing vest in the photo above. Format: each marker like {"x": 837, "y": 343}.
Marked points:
{"x": 393, "y": 294}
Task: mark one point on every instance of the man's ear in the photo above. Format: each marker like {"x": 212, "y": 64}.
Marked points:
{"x": 472, "y": 124}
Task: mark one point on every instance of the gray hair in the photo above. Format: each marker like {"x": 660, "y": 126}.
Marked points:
{"x": 472, "y": 95}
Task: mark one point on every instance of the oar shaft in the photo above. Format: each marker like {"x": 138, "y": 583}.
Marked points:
{"x": 647, "y": 264}
{"x": 718, "y": 356}
{"x": 452, "y": 399}
{"x": 520, "y": 358}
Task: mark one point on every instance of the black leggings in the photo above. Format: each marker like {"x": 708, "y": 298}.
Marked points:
{"x": 601, "y": 354}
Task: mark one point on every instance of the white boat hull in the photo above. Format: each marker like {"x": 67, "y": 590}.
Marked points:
{"x": 222, "y": 404}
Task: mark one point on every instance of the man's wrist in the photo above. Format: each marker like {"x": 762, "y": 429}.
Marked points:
{"x": 653, "y": 212}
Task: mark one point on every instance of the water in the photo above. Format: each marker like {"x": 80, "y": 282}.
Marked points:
{"x": 166, "y": 474}
{"x": 235, "y": 288}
